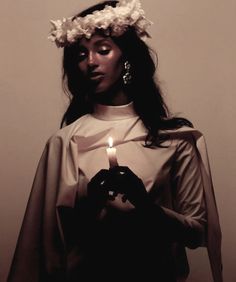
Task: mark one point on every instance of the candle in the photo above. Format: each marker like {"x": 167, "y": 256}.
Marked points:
{"x": 111, "y": 153}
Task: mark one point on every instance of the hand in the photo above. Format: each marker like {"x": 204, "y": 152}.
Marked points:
{"x": 97, "y": 188}
{"x": 124, "y": 181}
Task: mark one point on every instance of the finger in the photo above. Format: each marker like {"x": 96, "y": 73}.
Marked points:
{"x": 118, "y": 173}
{"x": 119, "y": 169}
{"x": 123, "y": 171}
{"x": 112, "y": 183}
{"x": 112, "y": 195}
{"x": 118, "y": 179}
{"x": 100, "y": 176}
{"x": 124, "y": 198}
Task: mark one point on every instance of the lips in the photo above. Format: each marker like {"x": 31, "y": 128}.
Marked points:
{"x": 95, "y": 75}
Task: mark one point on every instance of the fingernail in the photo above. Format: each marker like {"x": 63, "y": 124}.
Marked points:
{"x": 124, "y": 199}
{"x": 111, "y": 193}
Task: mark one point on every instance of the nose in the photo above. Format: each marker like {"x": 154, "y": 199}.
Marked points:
{"x": 92, "y": 59}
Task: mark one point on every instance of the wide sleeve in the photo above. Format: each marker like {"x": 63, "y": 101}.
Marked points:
{"x": 188, "y": 193}
{"x": 39, "y": 254}
{"x": 193, "y": 198}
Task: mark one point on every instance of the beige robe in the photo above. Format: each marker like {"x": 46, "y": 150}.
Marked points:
{"x": 74, "y": 154}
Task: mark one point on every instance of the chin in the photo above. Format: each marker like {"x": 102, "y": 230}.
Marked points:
{"x": 101, "y": 90}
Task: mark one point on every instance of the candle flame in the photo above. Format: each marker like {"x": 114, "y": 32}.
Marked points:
{"x": 110, "y": 142}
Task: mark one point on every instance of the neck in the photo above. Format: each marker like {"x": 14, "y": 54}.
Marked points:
{"x": 110, "y": 112}
{"x": 113, "y": 97}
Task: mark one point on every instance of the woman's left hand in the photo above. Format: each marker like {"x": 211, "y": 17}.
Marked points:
{"x": 124, "y": 181}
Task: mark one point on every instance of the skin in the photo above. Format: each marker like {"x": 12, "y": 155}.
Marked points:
{"x": 101, "y": 62}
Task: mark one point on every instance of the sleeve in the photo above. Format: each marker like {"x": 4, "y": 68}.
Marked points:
{"x": 183, "y": 221}
{"x": 192, "y": 183}
{"x": 39, "y": 254}
{"x": 187, "y": 195}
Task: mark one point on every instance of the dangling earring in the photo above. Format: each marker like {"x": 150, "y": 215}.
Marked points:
{"x": 127, "y": 77}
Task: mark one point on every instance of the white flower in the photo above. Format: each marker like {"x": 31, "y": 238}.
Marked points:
{"x": 117, "y": 19}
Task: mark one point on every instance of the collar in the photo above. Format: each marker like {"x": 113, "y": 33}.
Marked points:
{"x": 105, "y": 112}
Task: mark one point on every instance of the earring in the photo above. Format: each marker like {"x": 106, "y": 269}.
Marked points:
{"x": 127, "y": 77}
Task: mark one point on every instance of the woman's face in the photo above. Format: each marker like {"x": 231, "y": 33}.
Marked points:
{"x": 100, "y": 61}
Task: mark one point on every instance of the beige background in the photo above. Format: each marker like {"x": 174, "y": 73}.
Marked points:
{"x": 196, "y": 44}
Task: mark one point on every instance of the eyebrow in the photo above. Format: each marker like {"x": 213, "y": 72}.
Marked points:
{"x": 97, "y": 42}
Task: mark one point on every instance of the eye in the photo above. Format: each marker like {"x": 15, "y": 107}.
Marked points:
{"x": 104, "y": 52}
{"x": 82, "y": 54}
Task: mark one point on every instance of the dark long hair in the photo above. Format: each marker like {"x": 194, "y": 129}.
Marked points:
{"x": 144, "y": 90}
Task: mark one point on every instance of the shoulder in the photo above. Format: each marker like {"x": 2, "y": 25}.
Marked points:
{"x": 184, "y": 139}
{"x": 183, "y": 134}
{"x": 64, "y": 135}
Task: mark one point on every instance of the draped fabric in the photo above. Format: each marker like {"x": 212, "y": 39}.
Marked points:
{"x": 213, "y": 238}
{"x": 74, "y": 154}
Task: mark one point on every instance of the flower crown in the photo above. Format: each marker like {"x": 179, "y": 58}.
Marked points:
{"x": 114, "y": 21}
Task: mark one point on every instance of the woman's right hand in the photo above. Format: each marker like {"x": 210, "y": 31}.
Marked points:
{"x": 97, "y": 189}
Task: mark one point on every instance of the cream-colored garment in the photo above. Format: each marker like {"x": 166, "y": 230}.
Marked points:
{"x": 77, "y": 152}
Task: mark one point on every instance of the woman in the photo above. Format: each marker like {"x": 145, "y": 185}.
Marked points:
{"x": 128, "y": 211}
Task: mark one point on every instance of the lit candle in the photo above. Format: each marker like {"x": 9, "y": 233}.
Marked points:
{"x": 111, "y": 153}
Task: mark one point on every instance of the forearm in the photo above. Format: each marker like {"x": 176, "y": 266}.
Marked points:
{"x": 173, "y": 226}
